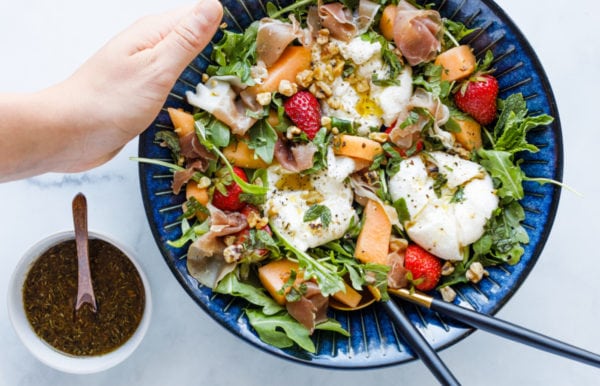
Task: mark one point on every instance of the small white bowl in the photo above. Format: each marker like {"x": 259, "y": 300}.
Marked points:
{"x": 42, "y": 350}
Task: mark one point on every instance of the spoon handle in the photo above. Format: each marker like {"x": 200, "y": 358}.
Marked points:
{"x": 418, "y": 343}
{"x": 85, "y": 291}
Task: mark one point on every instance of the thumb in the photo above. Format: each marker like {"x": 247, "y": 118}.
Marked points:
{"x": 190, "y": 35}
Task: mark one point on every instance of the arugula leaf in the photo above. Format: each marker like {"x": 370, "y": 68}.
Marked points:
{"x": 343, "y": 125}
{"x": 325, "y": 273}
{"x": 262, "y": 140}
{"x": 230, "y": 285}
{"x": 321, "y": 141}
{"x": 280, "y": 330}
{"x": 235, "y": 54}
{"x": 431, "y": 80}
{"x": 205, "y": 141}
{"x": 503, "y": 170}
{"x": 402, "y": 210}
{"x": 317, "y": 211}
{"x": 189, "y": 233}
{"x": 455, "y": 31}
{"x": 192, "y": 206}
{"x": 332, "y": 325}
{"x": 504, "y": 235}
{"x": 169, "y": 139}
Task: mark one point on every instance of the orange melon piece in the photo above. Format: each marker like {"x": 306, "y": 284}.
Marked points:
{"x": 241, "y": 155}
{"x": 356, "y": 147}
{"x": 275, "y": 274}
{"x": 386, "y": 23}
{"x": 372, "y": 245}
{"x": 458, "y": 63}
{"x": 183, "y": 122}
{"x": 469, "y": 135}
{"x": 292, "y": 61}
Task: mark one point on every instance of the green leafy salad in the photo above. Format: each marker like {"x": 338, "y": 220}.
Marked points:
{"x": 335, "y": 150}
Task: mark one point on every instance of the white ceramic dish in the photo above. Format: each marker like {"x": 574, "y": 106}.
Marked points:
{"x": 42, "y": 350}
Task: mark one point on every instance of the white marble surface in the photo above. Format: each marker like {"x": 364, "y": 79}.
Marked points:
{"x": 42, "y": 42}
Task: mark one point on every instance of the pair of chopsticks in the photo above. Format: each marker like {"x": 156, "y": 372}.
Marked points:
{"x": 477, "y": 320}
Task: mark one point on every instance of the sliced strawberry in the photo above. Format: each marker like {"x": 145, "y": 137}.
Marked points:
{"x": 230, "y": 200}
{"x": 304, "y": 110}
{"x": 478, "y": 98}
{"x": 426, "y": 269}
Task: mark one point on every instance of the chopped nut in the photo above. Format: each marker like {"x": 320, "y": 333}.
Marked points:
{"x": 476, "y": 272}
{"x": 233, "y": 253}
{"x": 335, "y": 131}
{"x": 259, "y": 73}
{"x": 304, "y": 78}
{"x": 326, "y": 121}
{"x": 334, "y": 103}
{"x": 223, "y": 25}
{"x": 229, "y": 240}
{"x": 262, "y": 222}
{"x": 338, "y": 69}
{"x": 447, "y": 268}
{"x": 325, "y": 88}
{"x": 263, "y": 98}
{"x": 252, "y": 219}
{"x": 378, "y": 137}
{"x": 204, "y": 182}
{"x": 292, "y": 131}
{"x": 312, "y": 197}
{"x": 204, "y": 77}
{"x": 287, "y": 88}
{"x": 363, "y": 86}
{"x": 318, "y": 73}
{"x": 323, "y": 36}
{"x": 448, "y": 294}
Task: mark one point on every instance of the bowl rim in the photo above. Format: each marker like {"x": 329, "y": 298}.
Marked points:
{"x": 43, "y": 351}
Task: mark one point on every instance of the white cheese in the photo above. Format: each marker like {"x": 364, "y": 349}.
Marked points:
{"x": 289, "y": 198}
{"x": 438, "y": 224}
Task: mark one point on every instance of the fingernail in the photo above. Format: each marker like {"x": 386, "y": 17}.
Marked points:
{"x": 210, "y": 10}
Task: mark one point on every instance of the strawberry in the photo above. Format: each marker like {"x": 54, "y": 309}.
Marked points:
{"x": 426, "y": 269}
{"x": 477, "y": 97}
{"x": 227, "y": 192}
{"x": 304, "y": 110}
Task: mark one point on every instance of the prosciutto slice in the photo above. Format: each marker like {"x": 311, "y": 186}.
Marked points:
{"x": 311, "y": 309}
{"x": 218, "y": 97}
{"x": 417, "y": 33}
{"x": 397, "y": 274}
{"x": 191, "y": 148}
{"x": 295, "y": 158}
{"x": 405, "y": 137}
{"x": 338, "y": 20}
{"x": 205, "y": 255}
{"x": 274, "y": 36}
{"x": 182, "y": 177}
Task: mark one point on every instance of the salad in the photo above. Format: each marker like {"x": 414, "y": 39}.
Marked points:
{"x": 335, "y": 150}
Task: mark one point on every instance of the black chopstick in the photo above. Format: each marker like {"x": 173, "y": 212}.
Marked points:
{"x": 502, "y": 328}
{"x": 419, "y": 345}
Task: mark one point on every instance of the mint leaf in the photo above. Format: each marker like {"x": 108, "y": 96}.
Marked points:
{"x": 318, "y": 212}
{"x": 280, "y": 330}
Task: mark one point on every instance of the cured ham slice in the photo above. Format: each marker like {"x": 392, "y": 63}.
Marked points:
{"x": 273, "y": 37}
{"x": 311, "y": 308}
{"x": 295, "y": 158}
{"x": 205, "y": 260}
{"x": 338, "y": 20}
{"x": 417, "y": 33}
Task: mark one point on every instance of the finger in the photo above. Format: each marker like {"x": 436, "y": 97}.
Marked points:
{"x": 190, "y": 35}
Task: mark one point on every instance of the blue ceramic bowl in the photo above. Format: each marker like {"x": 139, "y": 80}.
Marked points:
{"x": 373, "y": 341}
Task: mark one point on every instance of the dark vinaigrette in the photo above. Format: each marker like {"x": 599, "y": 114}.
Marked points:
{"x": 50, "y": 291}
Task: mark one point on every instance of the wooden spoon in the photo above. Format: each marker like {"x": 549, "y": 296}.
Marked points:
{"x": 85, "y": 290}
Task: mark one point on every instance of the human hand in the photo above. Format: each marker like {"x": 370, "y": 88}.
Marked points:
{"x": 122, "y": 87}
{"x": 84, "y": 121}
